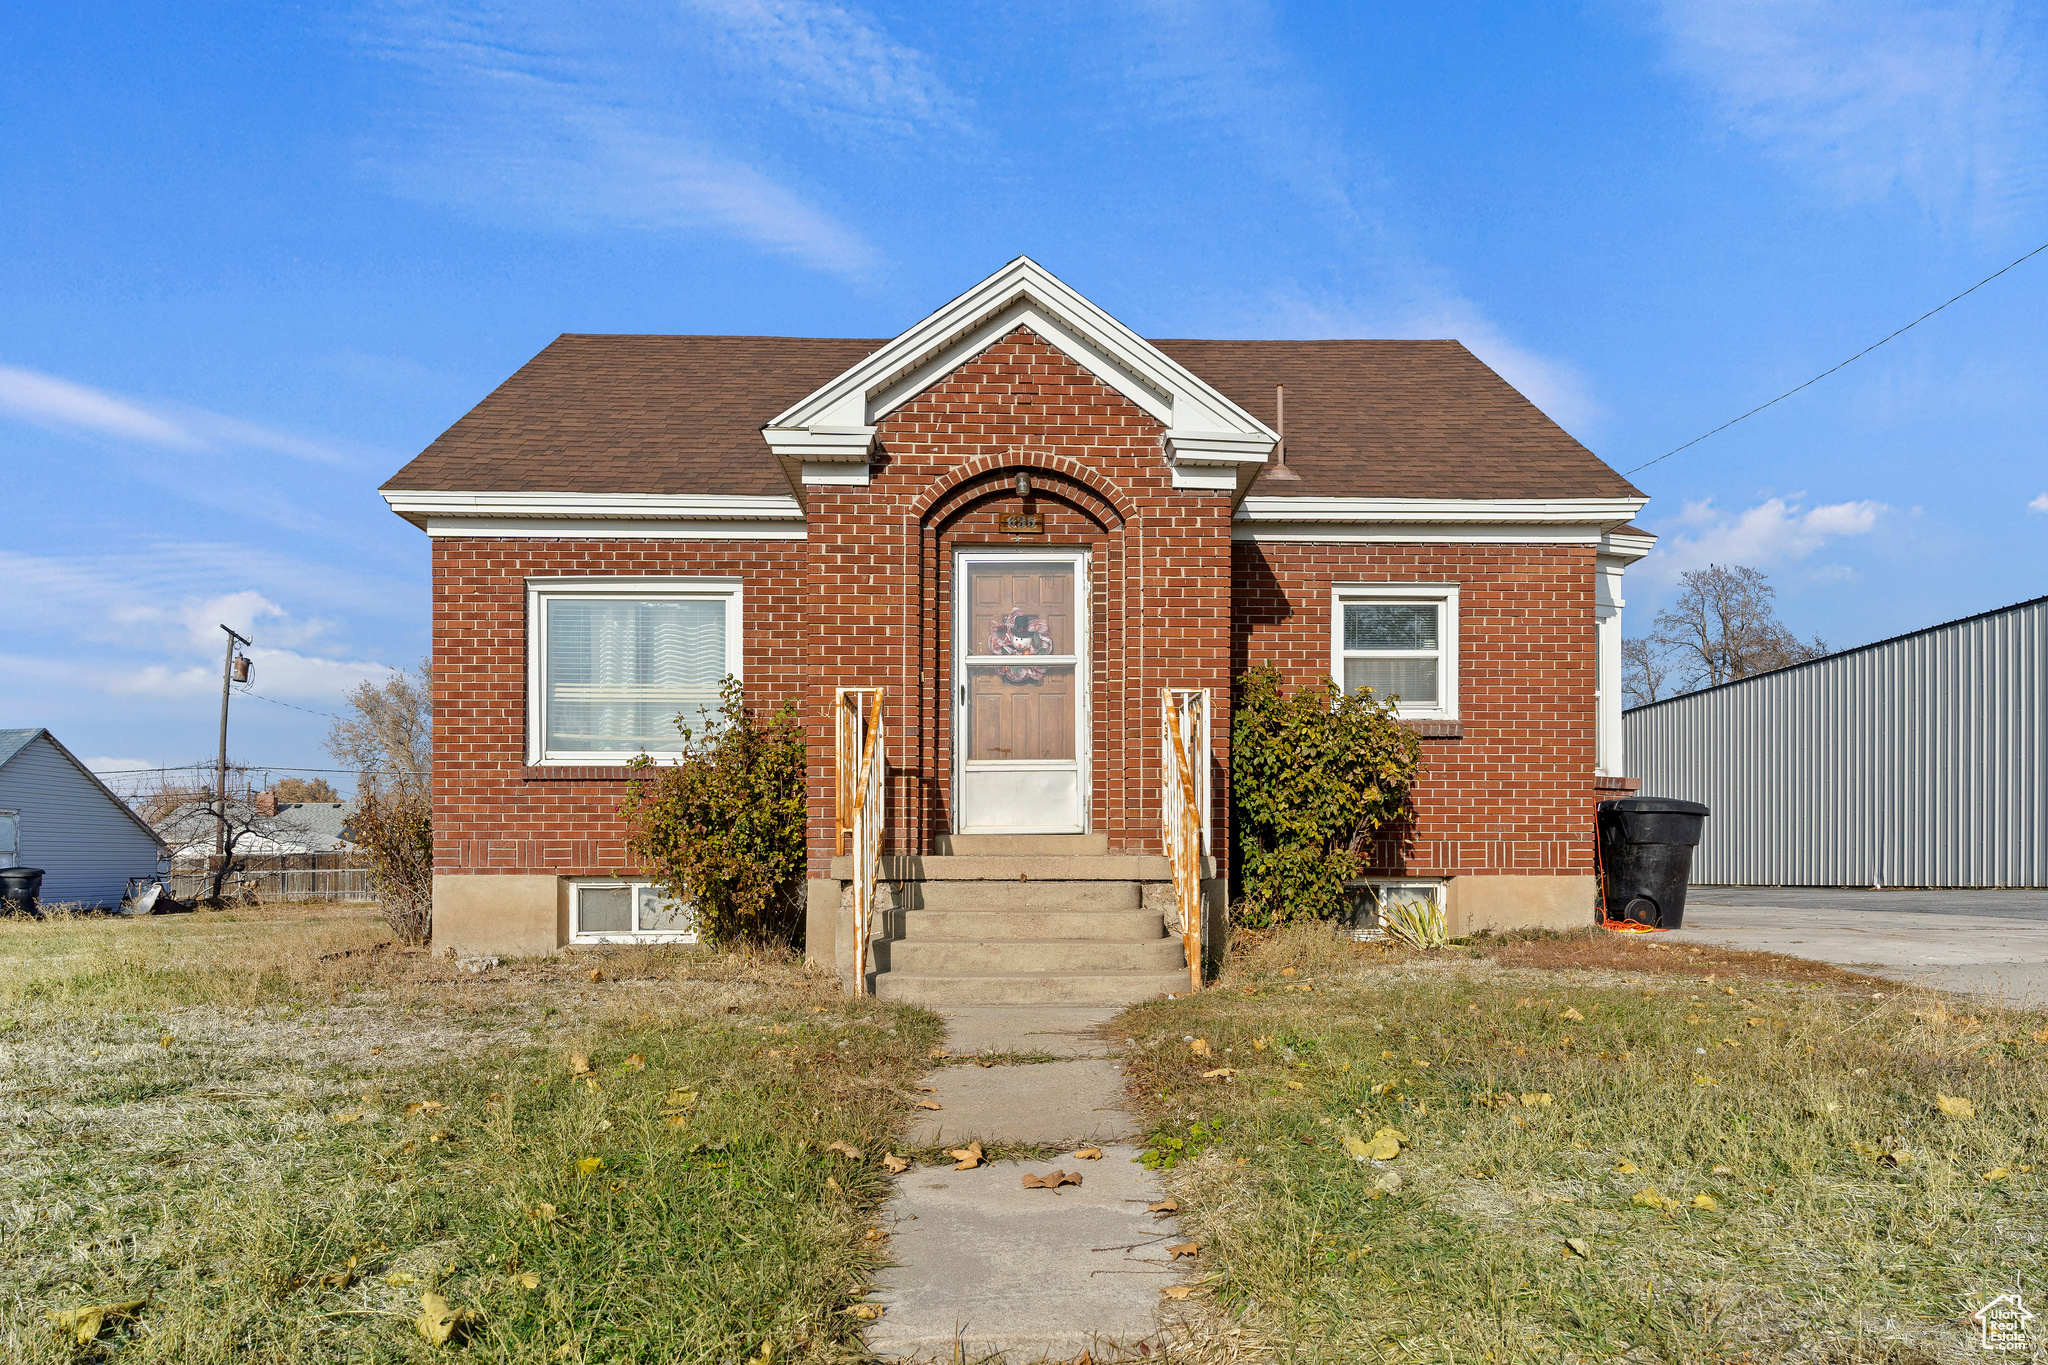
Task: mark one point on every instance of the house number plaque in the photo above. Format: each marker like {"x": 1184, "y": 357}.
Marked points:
{"x": 1022, "y": 524}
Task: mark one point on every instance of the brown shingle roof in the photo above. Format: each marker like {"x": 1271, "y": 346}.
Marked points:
{"x": 1399, "y": 419}
{"x": 663, "y": 414}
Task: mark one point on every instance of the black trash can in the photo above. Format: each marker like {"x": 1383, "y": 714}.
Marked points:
{"x": 1646, "y": 845}
{"x": 20, "y": 889}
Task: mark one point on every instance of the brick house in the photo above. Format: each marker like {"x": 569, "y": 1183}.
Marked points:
{"x": 628, "y": 519}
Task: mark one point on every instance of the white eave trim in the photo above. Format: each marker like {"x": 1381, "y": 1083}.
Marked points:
{"x": 1626, "y": 548}
{"x": 1021, "y": 293}
{"x": 668, "y": 516}
{"x": 1605, "y": 513}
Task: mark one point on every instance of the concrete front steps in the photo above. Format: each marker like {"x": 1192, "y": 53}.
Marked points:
{"x": 1022, "y": 920}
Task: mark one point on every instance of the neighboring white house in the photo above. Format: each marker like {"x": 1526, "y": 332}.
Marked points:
{"x": 266, "y": 827}
{"x": 57, "y": 816}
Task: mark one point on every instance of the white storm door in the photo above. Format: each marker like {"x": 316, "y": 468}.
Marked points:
{"x": 1020, "y": 692}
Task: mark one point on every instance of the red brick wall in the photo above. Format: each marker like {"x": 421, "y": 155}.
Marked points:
{"x": 881, "y": 567}
{"x": 1515, "y": 795}
{"x": 488, "y": 817}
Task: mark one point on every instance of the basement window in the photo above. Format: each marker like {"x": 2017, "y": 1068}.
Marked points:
{"x": 627, "y": 912}
{"x": 1401, "y": 641}
{"x": 612, "y": 662}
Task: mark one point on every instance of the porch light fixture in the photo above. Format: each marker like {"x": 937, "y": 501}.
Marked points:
{"x": 1023, "y": 485}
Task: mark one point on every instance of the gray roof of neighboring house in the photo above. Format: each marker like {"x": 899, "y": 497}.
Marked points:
{"x": 299, "y": 826}
{"x": 12, "y": 742}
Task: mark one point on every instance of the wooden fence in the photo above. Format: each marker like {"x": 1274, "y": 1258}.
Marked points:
{"x": 276, "y": 876}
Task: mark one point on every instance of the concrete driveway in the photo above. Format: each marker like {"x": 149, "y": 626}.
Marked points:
{"x": 1993, "y": 944}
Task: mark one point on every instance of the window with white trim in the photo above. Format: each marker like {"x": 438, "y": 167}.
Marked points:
{"x": 627, "y": 912}
{"x": 1402, "y": 642}
{"x": 612, "y": 662}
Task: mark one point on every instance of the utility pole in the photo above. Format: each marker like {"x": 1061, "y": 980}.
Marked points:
{"x": 229, "y": 673}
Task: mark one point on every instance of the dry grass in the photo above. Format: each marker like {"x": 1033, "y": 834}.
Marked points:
{"x": 1760, "y": 1100}
{"x": 279, "y": 1130}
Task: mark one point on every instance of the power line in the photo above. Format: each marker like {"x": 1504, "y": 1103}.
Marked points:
{"x": 1851, "y": 360}
{"x": 256, "y": 768}
{"x": 245, "y": 692}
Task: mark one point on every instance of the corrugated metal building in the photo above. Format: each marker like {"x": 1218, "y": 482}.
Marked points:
{"x": 57, "y": 816}
{"x": 1916, "y": 761}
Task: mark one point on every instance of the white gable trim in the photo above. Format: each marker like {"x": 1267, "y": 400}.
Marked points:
{"x": 1207, "y": 435}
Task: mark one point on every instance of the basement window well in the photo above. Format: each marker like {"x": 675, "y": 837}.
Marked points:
{"x": 627, "y": 912}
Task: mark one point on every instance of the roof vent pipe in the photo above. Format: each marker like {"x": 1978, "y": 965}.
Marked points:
{"x": 1279, "y": 469}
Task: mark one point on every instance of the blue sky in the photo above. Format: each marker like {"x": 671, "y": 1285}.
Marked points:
{"x": 254, "y": 257}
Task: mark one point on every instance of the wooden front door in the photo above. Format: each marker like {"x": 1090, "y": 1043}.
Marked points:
{"x": 1020, "y": 688}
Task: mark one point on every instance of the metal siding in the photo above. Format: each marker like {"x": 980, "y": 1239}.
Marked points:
{"x": 1921, "y": 761}
{"x": 86, "y": 845}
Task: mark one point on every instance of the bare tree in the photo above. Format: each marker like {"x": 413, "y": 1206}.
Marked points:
{"x": 1724, "y": 625}
{"x": 391, "y": 730}
{"x": 190, "y": 816}
{"x": 388, "y": 742}
{"x": 1644, "y": 670}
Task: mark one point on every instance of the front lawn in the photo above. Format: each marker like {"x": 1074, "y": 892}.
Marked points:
{"x": 275, "y": 1134}
{"x": 1606, "y": 1149}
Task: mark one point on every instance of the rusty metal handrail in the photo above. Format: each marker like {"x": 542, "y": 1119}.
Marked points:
{"x": 1180, "y": 819}
{"x": 860, "y": 806}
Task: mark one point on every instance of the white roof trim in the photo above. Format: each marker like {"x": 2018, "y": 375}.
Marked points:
{"x": 1608, "y": 513}
{"x": 443, "y": 507}
{"x": 1627, "y": 548}
{"x": 1203, "y": 427}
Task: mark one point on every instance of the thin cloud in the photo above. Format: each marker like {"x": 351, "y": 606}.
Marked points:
{"x": 2039, "y": 504}
{"x": 1775, "y": 533}
{"x": 1941, "y": 103}
{"x": 575, "y": 118}
{"x": 66, "y": 406}
{"x": 1219, "y": 73}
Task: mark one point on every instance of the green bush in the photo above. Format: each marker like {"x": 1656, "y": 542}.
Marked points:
{"x": 1312, "y": 777}
{"x": 724, "y": 828}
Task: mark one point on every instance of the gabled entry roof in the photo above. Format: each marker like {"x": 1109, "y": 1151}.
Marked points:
{"x": 682, "y": 417}
{"x": 1204, "y": 429}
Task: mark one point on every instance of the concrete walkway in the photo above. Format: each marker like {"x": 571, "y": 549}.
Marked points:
{"x": 1992, "y": 944}
{"x": 985, "y": 1268}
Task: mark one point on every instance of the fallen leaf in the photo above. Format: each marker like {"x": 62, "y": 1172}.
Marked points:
{"x": 1356, "y": 1146}
{"x": 579, "y": 1064}
{"x": 1260, "y": 1044}
{"x": 1647, "y": 1197}
{"x": 940, "y": 1052}
{"x": 1579, "y": 1247}
{"x": 1287, "y": 971}
{"x": 1525, "y": 1003}
{"x": 591, "y": 1083}
{"x": 866, "y": 1312}
{"x": 929, "y": 1104}
{"x": 1388, "y": 1182}
{"x": 597, "y": 973}
{"x": 440, "y": 1135}
{"x": 1219, "y": 1071}
{"x": 873, "y": 1235}
{"x": 1702, "y": 1078}
{"x": 1187, "y": 1249}
{"x": 1955, "y": 1106}
{"x": 968, "y": 1157}
{"x": 398, "y": 1279}
{"x": 1051, "y": 1182}
{"x": 927, "y": 1089}
{"x": 348, "y": 1117}
{"x": 1705, "y": 1201}
{"x": 1177, "y": 1292}
{"x": 1722, "y": 1170}
{"x": 1728, "y": 990}
{"x": 1200, "y": 1047}
{"x": 1624, "y": 1168}
{"x": 680, "y": 1099}
{"x": 1386, "y": 1087}
{"x": 846, "y": 1149}
{"x": 1536, "y": 1100}
{"x": 84, "y": 1324}
{"x": 1384, "y": 1145}
{"x": 894, "y": 1164}
{"x": 1088, "y": 1154}
{"x": 164, "y": 1042}
{"x": 1296, "y": 1085}
{"x": 1572, "y": 1014}
{"x": 439, "y": 1320}
{"x": 527, "y": 1281}
{"x": 424, "y": 1106}
{"x": 1164, "y": 1206}
{"x": 831, "y": 1182}
{"x": 1997, "y": 1173}
{"x": 636, "y": 1062}
{"x": 590, "y": 1165}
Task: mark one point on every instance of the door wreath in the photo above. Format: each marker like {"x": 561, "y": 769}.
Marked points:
{"x": 1017, "y": 631}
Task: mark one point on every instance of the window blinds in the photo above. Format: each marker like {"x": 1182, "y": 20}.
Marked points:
{"x": 620, "y": 672}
